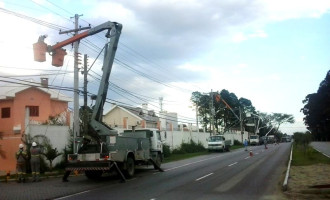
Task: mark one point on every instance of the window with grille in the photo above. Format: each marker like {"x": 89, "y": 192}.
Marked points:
{"x": 34, "y": 111}
{"x": 5, "y": 112}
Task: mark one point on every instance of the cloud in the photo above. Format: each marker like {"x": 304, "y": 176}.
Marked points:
{"x": 239, "y": 37}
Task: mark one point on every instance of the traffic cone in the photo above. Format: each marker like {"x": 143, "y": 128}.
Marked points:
{"x": 251, "y": 153}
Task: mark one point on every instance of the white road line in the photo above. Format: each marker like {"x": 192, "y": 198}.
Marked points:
{"x": 232, "y": 164}
{"x": 257, "y": 153}
{"x": 192, "y": 163}
{"x": 204, "y": 176}
{"x": 247, "y": 157}
{"x": 73, "y": 195}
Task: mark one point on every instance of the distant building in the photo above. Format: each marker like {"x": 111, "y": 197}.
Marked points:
{"x": 125, "y": 117}
{"x": 21, "y": 105}
{"x": 169, "y": 120}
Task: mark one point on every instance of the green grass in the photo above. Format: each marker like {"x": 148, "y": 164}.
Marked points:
{"x": 310, "y": 156}
{"x": 236, "y": 147}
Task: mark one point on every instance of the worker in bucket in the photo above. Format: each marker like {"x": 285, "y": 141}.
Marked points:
{"x": 35, "y": 162}
{"x": 21, "y": 157}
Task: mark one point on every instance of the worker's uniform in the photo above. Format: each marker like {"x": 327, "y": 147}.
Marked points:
{"x": 35, "y": 163}
{"x": 21, "y": 157}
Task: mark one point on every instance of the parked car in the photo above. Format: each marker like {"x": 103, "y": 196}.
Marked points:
{"x": 218, "y": 143}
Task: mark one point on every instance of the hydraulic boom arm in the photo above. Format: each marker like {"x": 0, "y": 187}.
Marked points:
{"x": 114, "y": 30}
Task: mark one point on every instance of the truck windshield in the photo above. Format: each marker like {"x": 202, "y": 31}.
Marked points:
{"x": 253, "y": 137}
{"x": 215, "y": 138}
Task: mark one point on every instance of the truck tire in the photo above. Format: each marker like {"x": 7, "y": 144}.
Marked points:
{"x": 93, "y": 174}
{"x": 158, "y": 161}
{"x": 228, "y": 148}
{"x": 130, "y": 167}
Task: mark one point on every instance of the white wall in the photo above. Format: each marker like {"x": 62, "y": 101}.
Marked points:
{"x": 175, "y": 138}
{"x": 58, "y": 135}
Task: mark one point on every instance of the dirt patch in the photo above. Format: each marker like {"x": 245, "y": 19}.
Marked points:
{"x": 303, "y": 178}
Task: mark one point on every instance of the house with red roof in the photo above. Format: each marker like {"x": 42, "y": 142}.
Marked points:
{"x": 27, "y": 103}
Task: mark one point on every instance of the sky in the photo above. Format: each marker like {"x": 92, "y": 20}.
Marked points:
{"x": 273, "y": 53}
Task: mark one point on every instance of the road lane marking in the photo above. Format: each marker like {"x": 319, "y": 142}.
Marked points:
{"x": 73, "y": 195}
{"x": 257, "y": 153}
{"x": 232, "y": 164}
{"x": 204, "y": 176}
{"x": 193, "y": 163}
{"x": 247, "y": 157}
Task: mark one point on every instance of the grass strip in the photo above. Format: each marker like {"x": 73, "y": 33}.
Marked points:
{"x": 307, "y": 156}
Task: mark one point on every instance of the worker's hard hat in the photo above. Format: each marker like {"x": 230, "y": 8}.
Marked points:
{"x": 21, "y": 146}
{"x": 34, "y": 144}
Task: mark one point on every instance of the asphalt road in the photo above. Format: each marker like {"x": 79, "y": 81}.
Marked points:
{"x": 230, "y": 175}
{"x": 323, "y": 147}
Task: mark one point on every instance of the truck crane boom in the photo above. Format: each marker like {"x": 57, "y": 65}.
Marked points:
{"x": 96, "y": 125}
{"x": 106, "y": 149}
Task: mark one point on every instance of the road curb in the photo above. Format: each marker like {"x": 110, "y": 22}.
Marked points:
{"x": 321, "y": 152}
{"x": 285, "y": 183}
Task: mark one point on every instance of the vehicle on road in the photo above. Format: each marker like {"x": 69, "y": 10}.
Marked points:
{"x": 286, "y": 139}
{"x": 218, "y": 143}
{"x": 270, "y": 139}
{"x": 254, "y": 140}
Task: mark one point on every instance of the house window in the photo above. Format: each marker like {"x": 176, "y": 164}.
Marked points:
{"x": 34, "y": 111}
{"x": 5, "y": 112}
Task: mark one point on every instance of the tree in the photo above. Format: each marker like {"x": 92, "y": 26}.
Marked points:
{"x": 317, "y": 111}
{"x": 226, "y": 106}
{"x": 50, "y": 154}
{"x": 280, "y": 118}
{"x": 302, "y": 140}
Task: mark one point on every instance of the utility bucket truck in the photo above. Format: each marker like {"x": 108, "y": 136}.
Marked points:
{"x": 102, "y": 149}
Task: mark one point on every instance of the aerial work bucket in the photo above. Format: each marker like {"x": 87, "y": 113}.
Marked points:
{"x": 39, "y": 50}
{"x": 58, "y": 57}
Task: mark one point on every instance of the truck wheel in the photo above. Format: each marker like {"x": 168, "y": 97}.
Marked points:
{"x": 130, "y": 167}
{"x": 158, "y": 161}
{"x": 93, "y": 174}
{"x": 228, "y": 148}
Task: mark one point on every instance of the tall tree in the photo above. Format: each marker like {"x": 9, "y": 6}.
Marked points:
{"x": 226, "y": 105}
{"x": 317, "y": 111}
{"x": 280, "y": 118}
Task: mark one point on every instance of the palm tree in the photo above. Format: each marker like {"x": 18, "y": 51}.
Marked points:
{"x": 50, "y": 154}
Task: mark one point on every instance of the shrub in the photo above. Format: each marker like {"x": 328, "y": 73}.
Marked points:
{"x": 236, "y": 142}
{"x": 166, "y": 151}
{"x": 191, "y": 147}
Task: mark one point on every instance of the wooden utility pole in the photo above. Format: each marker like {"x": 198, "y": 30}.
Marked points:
{"x": 241, "y": 122}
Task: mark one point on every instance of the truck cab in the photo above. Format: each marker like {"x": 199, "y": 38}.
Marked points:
{"x": 254, "y": 140}
{"x": 218, "y": 143}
